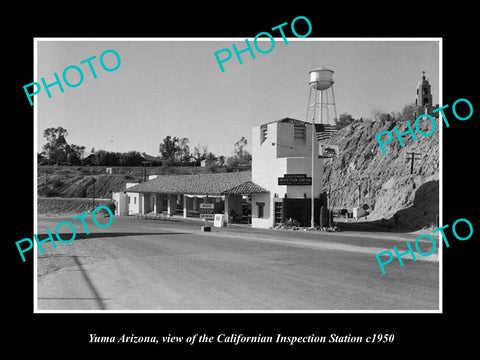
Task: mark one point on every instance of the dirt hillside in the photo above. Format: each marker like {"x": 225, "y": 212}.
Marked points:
{"x": 386, "y": 184}
{"x": 76, "y": 181}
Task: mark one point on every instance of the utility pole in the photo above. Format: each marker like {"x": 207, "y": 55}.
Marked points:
{"x": 93, "y": 195}
{"x": 412, "y": 159}
{"x": 145, "y": 170}
{"x": 329, "y": 205}
{"x": 359, "y": 192}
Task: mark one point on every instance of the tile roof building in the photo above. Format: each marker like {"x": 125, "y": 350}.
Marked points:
{"x": 203, "y": 184}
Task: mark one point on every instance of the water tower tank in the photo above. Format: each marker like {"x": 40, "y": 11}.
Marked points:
{"x": 321, "y": 78}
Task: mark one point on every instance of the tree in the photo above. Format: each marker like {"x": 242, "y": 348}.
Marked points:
{"x": 107, "y": 158}
{"x": 343, "y": 120}
{"x": 200, "y": 152}
{"x": 183, "y": 154}
{"x": 183, "y": 151}
{"x": 74, "y": 154}
{"x": 379, "y": 115}
{"x": 169, "y": 149}
{"x": 58, "y": 150}
{"x": 55, "y": 136}
{"x": 210, "y": 156}
{"x": 241, "y": 160}
{"x": 221, "y": 160}
{"x": 233, "y": 163}
{"x": 43, "y": 160}
{"x": 131, "y": 158}
{"x": 239, "y": 147}
{"x": 55, "y": 148}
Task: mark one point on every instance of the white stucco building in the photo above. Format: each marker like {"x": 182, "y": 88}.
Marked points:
{"x": 283, "y": 149}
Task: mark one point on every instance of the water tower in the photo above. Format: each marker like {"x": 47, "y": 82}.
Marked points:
{"x": 321, "y": 109}
{"x": 321, "y": 99}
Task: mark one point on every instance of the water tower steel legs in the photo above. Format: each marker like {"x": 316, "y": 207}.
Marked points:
{"x": 309, "y": 104}
{"x": 334, "y": 104}
{"x": 322, "y": 102}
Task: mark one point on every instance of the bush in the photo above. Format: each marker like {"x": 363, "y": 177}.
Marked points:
{"x": 56, "y": 183}
{"x": 64, "y": 171}
{"x": 45, "y": 162}
{"x": 111, "y": 205}
{"x": 292, "y": 222}
{"x": 85, "y": 171}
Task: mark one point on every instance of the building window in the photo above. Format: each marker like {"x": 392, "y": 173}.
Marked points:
{"x": 135, "y": 200}
{"x": 128, "y": 199}
{"x": 260, "y": 207}
{"x": 263, "y": 134}
{"x": 300, "y": 134}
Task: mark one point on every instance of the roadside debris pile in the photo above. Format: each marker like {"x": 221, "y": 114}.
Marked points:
{"x": 290, "y": 224}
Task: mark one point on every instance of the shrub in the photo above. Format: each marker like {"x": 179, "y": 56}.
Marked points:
{"x": 111, "y": 205}
{"x": 57, "y": 183}
{"x": 85, "y": 171}
{"x": 64, "y": 172}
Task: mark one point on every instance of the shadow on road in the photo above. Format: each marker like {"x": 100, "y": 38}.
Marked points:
{"x": 92, "y": 287}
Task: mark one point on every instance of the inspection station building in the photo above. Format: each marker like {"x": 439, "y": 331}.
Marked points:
{"x": 278, "y": 187}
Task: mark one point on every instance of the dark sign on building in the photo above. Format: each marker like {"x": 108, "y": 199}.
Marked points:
{"x": 295, "y": 179}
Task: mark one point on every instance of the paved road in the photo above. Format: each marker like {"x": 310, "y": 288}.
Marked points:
{"x": 171, "y": 265}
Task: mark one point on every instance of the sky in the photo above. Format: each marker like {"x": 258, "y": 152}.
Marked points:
{"x": 175, "y": 87}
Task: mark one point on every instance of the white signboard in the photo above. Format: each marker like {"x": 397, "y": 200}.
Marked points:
{"x": 220, "y": 220}
{"x": 207, "y": 206}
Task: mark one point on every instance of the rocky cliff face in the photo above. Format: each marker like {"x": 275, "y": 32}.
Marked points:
{"x": 383, "y": 181}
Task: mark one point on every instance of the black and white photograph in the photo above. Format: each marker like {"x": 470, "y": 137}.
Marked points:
{"x": 225, "y": 180}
